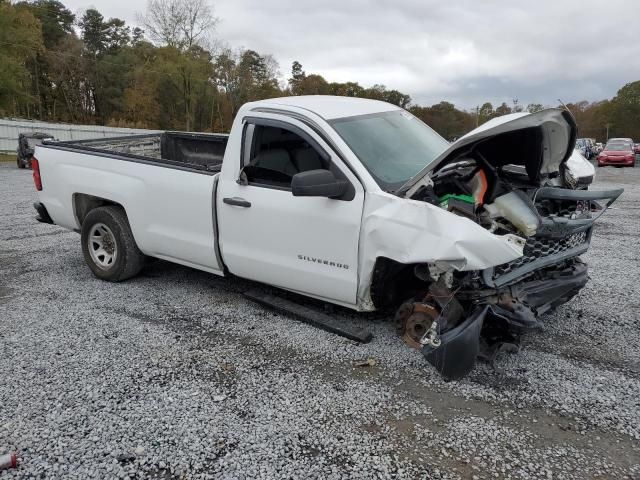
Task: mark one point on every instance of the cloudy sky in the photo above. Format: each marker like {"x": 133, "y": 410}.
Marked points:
{"x": 462, "y": 51}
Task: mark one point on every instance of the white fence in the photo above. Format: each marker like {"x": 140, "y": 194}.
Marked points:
{"x": 10, "y": 129}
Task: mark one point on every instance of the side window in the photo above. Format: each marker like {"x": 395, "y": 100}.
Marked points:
{"x": 276, "y": 154}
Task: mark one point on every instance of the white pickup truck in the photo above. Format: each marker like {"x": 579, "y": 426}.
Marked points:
{"x": 351, "y": 201}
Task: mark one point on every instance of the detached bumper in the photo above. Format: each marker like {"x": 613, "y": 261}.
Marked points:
{"x": 456, "y": 356}
{"x": 43, "y": 215}
{"x": 459, "y": 348}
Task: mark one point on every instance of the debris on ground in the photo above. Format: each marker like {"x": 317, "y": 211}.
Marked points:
{"x": 368, "y": 362}
{"x": 9, "y": 460}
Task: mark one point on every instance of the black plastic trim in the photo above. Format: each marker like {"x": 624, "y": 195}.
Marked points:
{"x": 531, "y": 266}
{"x": 456, "y": 356}
{"x": 237, "y": 202}
{"x": 43, "y": 214}
{"x": 216, "y": 230}
{"x": 560, "y": 227}
{"x": 554, "y": 193}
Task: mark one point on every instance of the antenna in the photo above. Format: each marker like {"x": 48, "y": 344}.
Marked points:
{"x": 565, "y": 107}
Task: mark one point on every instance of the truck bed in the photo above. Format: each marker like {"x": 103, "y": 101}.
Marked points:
{"x": 200, "y": 151}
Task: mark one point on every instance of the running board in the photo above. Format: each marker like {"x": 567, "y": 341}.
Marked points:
{"x": 310, "y": 316}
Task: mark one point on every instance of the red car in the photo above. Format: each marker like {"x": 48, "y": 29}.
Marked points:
{"x": 618, "y": 154}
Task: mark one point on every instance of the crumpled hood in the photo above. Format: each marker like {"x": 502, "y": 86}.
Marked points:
{"x": 540, "y": 142}
{"x": 412, "y": 232}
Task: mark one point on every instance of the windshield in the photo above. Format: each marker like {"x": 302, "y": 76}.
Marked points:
{"x": 618, "y": 146}
{"x": 393, "y": 146}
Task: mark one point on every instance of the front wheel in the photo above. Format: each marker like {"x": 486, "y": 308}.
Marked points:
{"x": 108, "y": 245}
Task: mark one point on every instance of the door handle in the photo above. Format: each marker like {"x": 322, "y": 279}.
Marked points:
{"x": 237, "y": 201}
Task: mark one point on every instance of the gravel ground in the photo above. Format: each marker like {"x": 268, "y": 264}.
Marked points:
{"x": 175, "y": 375}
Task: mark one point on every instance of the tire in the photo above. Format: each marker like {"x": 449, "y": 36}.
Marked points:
{"x": 19, "y": 162}
{"x": 108, "y": 245}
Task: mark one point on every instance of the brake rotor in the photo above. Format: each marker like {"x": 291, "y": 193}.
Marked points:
{"x": 413, "y": 320}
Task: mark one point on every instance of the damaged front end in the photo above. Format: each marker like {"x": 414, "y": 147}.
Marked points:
{"x": 513, "y": 180}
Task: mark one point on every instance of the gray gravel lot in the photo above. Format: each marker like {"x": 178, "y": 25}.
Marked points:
{"x": 175, "y": 375}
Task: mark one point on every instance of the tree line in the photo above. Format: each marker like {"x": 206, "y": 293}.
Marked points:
{"x": 171, "y": 74}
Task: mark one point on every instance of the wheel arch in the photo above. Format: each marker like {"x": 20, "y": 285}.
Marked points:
{"x": 83, "y": 203}
{"x": 394, "y": 282}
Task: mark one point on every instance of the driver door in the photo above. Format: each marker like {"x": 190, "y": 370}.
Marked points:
{"x": 305, "y": 244}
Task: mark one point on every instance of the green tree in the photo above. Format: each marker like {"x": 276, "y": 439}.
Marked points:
{"x": 535, "y": 107}
{"x": 118, "y": 35}
{"x": 55, "y": 19}
{"x": 242, "y": 77}
{"x": 347, "y": 89}
{"x": 503, "y": 109}
{"x": 297, "y": 78}
{"x": 94, "y": 31}
{"x": 109, "y": 63}
{"x": 141, "y": 101}
{"x": 314, "y": 85}
{"x": 67, "y": 70}
{"x": 485, "y": 112}
{"x": 20, "y": 41}
{"x": 182, "y": 77}
{"x": 377, "y": 92}
{"x": 56, "y": 24}
{"x": 624, "y": 112}
{"x": 445, "y": 119}
{"x": 397, "y": 98}
{"x": 596, "y": 120}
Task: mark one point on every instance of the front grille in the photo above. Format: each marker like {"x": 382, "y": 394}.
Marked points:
{"x": 566, "y": 209}
{"x": 537, "y": 248}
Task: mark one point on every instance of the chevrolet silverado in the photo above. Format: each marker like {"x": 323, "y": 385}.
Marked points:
{"x": 351, "y": 201}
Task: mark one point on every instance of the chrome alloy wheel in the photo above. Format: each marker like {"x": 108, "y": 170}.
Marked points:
{"x": 102, "y": 246}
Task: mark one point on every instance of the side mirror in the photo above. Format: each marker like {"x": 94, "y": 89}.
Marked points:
{"x": 317, "y": 183}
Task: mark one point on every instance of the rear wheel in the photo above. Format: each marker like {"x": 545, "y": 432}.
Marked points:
{"x": 19, "y": 162}
{"x": 108, "y": 245}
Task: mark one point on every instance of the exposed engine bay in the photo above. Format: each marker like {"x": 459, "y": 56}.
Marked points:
{"x": 519, "y": 185}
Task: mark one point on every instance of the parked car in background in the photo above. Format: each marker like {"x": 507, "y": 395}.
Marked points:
{"x": 598, "y": 147}
{"x": 583, "y": 147}
{"x": 636, "y": 148}
{"x": 587, "y": 147}
{"x": 619, "y": 153}
{"x": 26, "y": 146}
